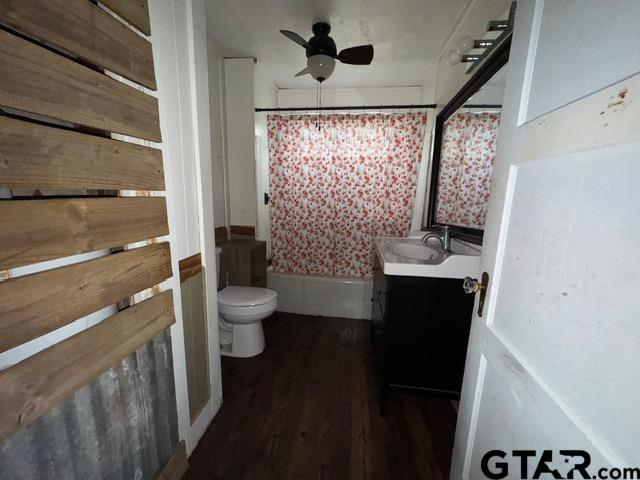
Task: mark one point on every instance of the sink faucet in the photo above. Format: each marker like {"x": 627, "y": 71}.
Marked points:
{"x": 444, "y": 238}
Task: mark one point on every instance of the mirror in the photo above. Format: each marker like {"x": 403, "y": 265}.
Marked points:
{"x": 464, "y": 151}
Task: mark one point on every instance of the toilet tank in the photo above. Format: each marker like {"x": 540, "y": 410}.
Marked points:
{"x": 218, "y": 254}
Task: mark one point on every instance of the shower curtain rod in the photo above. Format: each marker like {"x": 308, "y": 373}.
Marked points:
{"x": 367, "y": 107}
{"x": 345, "y": 107}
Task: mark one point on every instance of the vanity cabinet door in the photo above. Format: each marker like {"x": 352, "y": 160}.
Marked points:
{"x": 427, "y": 331}
{"x": 377, "y": 313}
{"x": 379, "y": 286}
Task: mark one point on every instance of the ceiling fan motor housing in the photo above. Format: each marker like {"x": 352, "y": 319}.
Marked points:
{"x": 321, "y": 42}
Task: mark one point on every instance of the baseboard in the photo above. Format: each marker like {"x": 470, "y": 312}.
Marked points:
{"x": 177, "y": 465}
{"x": 221, "y": 233}
{"x": 243, "y": 230}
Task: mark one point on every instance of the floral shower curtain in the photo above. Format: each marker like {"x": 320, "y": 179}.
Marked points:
{"x": 335, "y": 183}
{"x": 466, "y": 164}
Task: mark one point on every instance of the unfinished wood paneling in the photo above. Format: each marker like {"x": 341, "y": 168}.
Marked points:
{"x": 196, "y": 343}
{"x": 37, "y": 156}
{"x": 42, "y": 381}
{"x": 190, "y": 266}
{"x": 177, "y": 465}
{"x": 83, "y": 29}
{"x": 33, "y": 305}
{"x": 243, "y": 263}
{"x": 57, "y": 228}
{"x": 38, "y": 81}
{"x": 136, "y": 12}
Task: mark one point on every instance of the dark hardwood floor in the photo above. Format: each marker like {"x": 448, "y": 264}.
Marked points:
{"x": 307, "y": 408}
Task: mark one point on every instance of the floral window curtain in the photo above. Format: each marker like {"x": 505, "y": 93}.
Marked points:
{"x": 466, "y": 164}
{"x": 335, "y": 183}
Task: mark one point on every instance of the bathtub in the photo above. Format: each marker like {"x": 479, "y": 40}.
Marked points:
{"x": 326, "y": 296}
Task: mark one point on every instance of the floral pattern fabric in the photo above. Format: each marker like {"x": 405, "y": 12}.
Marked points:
{"x": 336, "y": 182}
{"x": 466, "y": 164}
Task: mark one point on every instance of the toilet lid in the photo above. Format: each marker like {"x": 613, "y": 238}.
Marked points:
{"x": 246, "y": 296}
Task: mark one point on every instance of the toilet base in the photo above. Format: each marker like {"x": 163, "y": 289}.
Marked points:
{"x": 247, "y": 340}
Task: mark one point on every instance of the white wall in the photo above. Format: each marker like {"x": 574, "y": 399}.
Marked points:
{"x": 265, "y": 94}
{"x": 180, "y": 53}
{"x": 218, "y": 134}
{"x": 331, "y": 97}
{"x": 240, "y": 125}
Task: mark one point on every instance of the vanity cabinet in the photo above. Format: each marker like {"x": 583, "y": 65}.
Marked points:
{"x": 419, "y": 331}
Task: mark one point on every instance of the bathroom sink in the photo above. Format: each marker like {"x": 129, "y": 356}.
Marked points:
{"x": 416, "y": 252}
{"x": 410, "y": 257}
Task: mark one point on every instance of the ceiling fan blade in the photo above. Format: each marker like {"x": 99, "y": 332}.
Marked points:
{"x": 361, "y": 55}
{"x": 306, "y": 71}
{"x": 295, "y": 37}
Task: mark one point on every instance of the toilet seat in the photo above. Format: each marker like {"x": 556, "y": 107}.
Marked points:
{"x": 242, "y": 305}
{"x": 234, "y": 296}
{"x": 247, "y": 314}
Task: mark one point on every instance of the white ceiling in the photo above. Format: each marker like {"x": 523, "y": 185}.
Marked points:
{"x": 407, "y": 35}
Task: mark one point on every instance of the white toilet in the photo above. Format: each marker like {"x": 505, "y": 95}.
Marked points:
{"x": 242, "y": 310}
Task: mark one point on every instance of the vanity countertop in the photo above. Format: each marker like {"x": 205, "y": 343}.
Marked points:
{"x": 410, "y": 257}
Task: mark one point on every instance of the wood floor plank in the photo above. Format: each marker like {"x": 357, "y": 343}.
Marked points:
{"x": 38, "y": 156}
{"x": 39, "y": 81}
{"x": 39, "y": 383}
{"x": 136, "y": 12}
{"x": 307, "y": 407}
{"x": 33, "y": 305}
{"x": 83, "y": 29}
{"x": 34, "y": 231}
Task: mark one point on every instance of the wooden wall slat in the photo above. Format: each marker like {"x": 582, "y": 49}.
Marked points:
{"x": 33, "y": 231}
{"x": 39, "y": 383}
{"x": 33, "y": 305}
{"x": 136, "y": 12}
{"x": 37, "y": 156}
{"x": 39, "y": 81}
{"x": 84, "y": 29}
{"x": 190, "y": 266}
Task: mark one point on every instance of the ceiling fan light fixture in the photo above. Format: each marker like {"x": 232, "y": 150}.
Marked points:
{"x": 321, "y": 66}
{"x": 453, "y": 57}
{"x": 465, "y": 45}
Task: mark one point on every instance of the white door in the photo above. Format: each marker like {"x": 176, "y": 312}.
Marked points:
{"x": 554, "y": 362}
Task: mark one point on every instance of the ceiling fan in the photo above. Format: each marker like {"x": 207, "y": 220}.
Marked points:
{"x": 322, "y": 53}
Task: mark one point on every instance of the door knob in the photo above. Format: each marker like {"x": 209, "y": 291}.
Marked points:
{"x": 472, "y": 285}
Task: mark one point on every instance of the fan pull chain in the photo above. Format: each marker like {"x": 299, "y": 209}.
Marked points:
{"x": 319, "y": 102}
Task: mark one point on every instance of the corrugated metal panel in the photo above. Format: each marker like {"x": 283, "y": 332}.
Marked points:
{"x": 122, "y": 426}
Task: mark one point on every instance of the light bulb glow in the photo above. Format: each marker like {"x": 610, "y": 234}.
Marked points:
{"x": 465, "y": 45}
{"x": 453, "y": 57}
